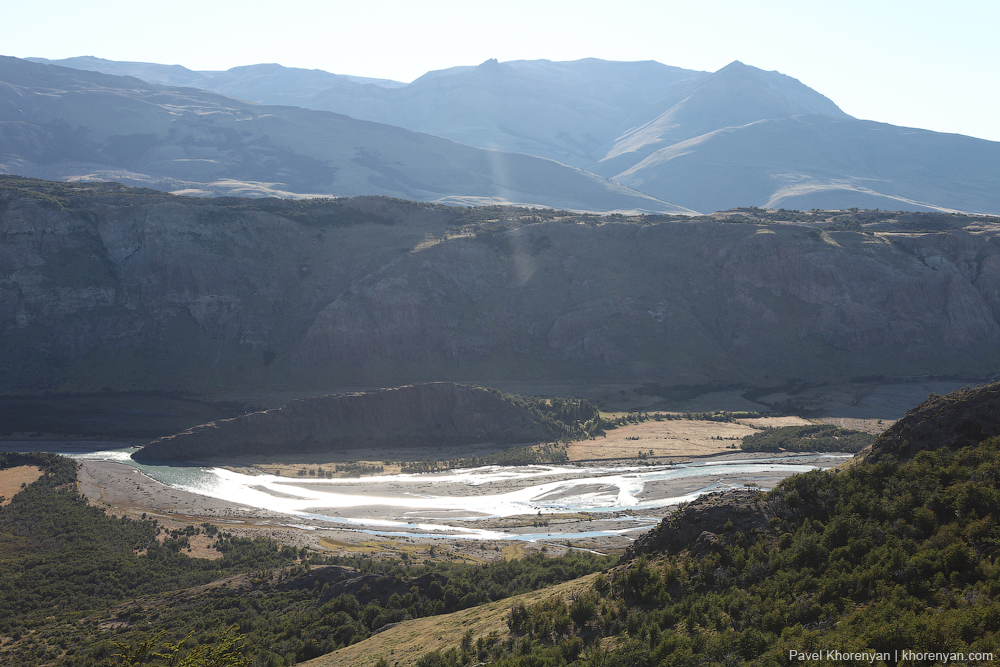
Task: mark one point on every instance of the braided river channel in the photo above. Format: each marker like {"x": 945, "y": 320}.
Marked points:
{"x": 460, "y": 504}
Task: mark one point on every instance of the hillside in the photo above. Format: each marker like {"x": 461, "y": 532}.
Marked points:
{"x": 440, "y": 414}
{"x": 815, "y": 161}
{"x": 961, "y": 419}
{"x": 891, "y": 562}
{"x": 735, "y": 96}
{"x": 566, "y": 111}
{"x": 272, "y": 83}
{"x": 69, "y": 124}
{"x": 110, "y": 288}
{"x": 941, "y": 425}
{"x": 79, "y": 586}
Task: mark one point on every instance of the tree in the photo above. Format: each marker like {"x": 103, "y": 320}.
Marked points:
{"x": 227, "y": 651}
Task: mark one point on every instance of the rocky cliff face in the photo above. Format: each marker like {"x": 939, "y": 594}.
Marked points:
{"x": 961, "y": 419}
{"x": 435, "y": 414}
{"x": 698, "y": 525}
{"x": 104, "y": 288}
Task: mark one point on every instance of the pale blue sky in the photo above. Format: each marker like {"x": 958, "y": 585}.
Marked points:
{"x": 916, "y": 63}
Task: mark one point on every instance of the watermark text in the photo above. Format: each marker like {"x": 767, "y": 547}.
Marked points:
{"x": 888, "y": 656}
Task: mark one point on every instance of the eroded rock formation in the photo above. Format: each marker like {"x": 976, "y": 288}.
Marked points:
{"x": 135, "y": 291}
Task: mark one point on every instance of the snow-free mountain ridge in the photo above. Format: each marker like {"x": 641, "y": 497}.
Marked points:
{"x": 705, "y": 141}
{"x": 67, "y": 124}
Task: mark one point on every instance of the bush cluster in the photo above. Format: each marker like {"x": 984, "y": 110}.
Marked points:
{"x": 812, "y": 438}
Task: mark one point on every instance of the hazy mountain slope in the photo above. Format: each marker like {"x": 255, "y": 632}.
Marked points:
{"x": 734, "y": 96}
{"x": 568, "y": 111}
{"x": 274, "y": 84}
{"x": 707, "y": 141}
{"x": 68, "y": 124}
{"x": 109, "y": 288}
{"x": 740, "y": 136}
{"x": 164, "y": 75}
{"x": 817, "y": 161}
{"x": 263, "y": 83}
{"x": 563, "y": 110}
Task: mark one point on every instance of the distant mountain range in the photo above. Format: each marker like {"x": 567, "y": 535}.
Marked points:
{"x": 67, "y": 124}
{"x": 265, "y": 84}
{"x": 703, "y": 141}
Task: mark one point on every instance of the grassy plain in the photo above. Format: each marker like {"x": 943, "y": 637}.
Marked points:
{"x": 674, "y": 438}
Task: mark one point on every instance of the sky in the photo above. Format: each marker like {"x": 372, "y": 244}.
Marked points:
{"x": 932, "y": 65}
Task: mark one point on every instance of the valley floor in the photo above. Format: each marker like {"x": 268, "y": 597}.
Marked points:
{"x": 122, "y": 489}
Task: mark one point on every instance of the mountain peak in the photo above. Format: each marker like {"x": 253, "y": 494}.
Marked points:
{"x": 737, "y": 64}
{"x": 492, "y": 67}
{"x": 741, "y": 84}
{"x": 741, "y": 69}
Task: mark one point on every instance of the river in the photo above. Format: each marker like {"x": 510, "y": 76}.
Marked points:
{"x": 452, "y": 503}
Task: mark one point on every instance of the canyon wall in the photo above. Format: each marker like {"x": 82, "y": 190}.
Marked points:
{"x": 138, "y": 292}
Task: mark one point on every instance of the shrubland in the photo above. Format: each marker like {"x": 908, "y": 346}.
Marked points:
{"x": 813, "y": 438}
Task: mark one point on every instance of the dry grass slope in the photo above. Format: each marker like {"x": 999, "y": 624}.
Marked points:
{"x": 405, "y": 643}
{"x": 13, "y": 479}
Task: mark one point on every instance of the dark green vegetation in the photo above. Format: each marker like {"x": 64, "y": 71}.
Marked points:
{"x": 61, "y": 560}
{"x": 227, "y": 650}
{"x": 815, "y": 438}
{"x": 436, "y": 414}
{"x": 637, "y": 417}
{"x": 567, "y": 418}
{"x": 889, "y": 554}
{"x": 74, "y": 582}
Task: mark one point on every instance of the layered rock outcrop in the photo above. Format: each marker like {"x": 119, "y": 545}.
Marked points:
{"x": 110, "y": 288}
{"x": 435, "y": 414}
